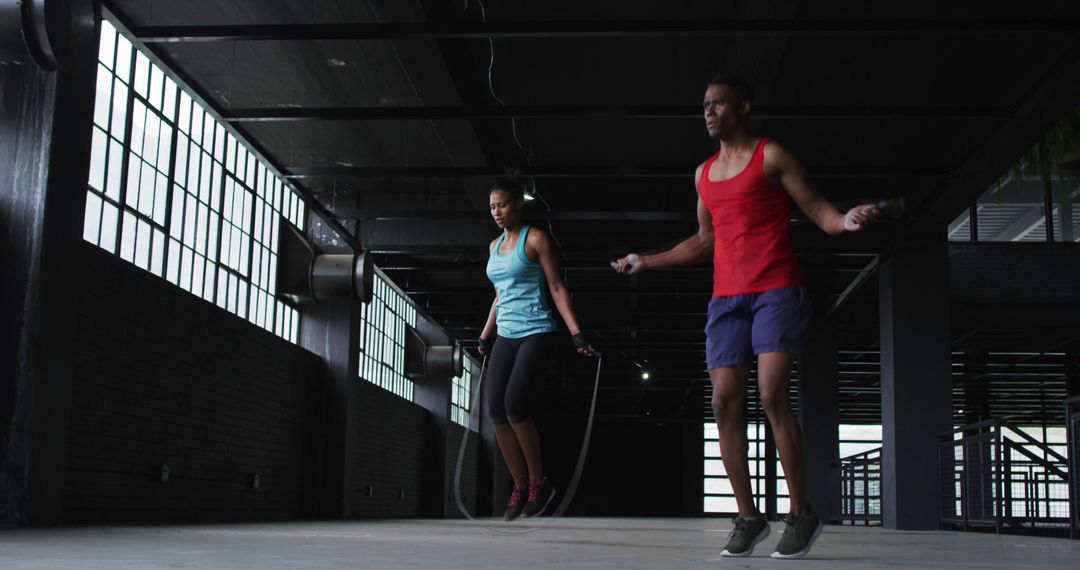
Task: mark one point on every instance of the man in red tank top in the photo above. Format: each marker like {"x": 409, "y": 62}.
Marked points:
{"x": 759, "y": 304}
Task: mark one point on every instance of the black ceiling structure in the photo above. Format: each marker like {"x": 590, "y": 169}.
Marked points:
{"x": 393, "y": 117}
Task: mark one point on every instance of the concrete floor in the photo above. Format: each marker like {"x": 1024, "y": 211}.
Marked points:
{"x": 566, "y": 543}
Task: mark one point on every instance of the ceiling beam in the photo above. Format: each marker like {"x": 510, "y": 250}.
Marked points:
{"x": 690, "y": 28}
{"x": 594, "y": 171}
{"x": 764, "y": 112}
{"x": 475, "y": 214}
{"x": 579, "y": 253}
{"x": 470, "y": 291}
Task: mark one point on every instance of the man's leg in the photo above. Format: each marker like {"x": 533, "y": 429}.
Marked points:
{"x": 781, "y": 322}
{"x": 802, "y": 526}
{"x": 774, "y": 373}
{"x": 780, "y": 328}
{"x": 728, "y": 404}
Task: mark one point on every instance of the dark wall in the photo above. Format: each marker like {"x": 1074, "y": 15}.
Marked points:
{"x": 469, "y": 471}
{"x": 162, "y": 377}
{"x": 389, "y": 454}
{"x": 633, "y": 468}
{"x": 1014, "y": 273}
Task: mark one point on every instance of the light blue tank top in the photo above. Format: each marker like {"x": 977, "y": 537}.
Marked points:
{"x": 523, "y": 308}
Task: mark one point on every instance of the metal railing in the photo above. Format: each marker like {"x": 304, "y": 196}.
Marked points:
{"x": 996, "y": 475}
{"x": 1072, "y": 430}
{"x": 859, "y": 502}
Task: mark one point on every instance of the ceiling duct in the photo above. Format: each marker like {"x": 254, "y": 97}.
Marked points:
{"x": 305, "y": 274}
{"x": 423, "y": 361}
{"x": 54, "y": 34}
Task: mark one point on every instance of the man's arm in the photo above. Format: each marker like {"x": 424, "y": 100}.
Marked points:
{"x": 692, "y": 250}
{"x": 784, "y": 168}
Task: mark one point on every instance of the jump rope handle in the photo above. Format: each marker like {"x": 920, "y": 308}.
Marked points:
{"x": 892, "y": 207}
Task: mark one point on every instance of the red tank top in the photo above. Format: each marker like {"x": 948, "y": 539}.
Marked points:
{"x": 752, "y": 251}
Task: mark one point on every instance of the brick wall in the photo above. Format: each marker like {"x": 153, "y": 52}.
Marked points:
{"x": 165, "y": 378}
{"x": 469, "y": 470}
{"x": 388, "y": 454}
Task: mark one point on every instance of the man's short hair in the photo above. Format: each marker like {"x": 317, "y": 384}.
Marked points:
{"x": 740, "y": 85}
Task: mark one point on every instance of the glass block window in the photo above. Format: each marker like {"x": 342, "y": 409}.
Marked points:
{"x": 460, "y": 396}
{"x": 171, "y": 191}
{"x": 382, "y": 337}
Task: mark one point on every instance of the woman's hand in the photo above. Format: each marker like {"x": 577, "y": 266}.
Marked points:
{"x": 485, "y": 346}
{"x": 582, "y": 345}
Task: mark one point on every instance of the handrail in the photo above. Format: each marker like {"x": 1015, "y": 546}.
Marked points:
{"x": 969, "y": 427}
{"x": 1035, "y": 458}
{"x": 852, "y": 457}
{"x": 1031, "y": 440}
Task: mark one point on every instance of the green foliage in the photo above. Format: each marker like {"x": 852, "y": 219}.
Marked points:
{"x": 1061, "y": 145}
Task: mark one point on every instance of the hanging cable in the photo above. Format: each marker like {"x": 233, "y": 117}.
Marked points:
{"x": 528, "y": 151}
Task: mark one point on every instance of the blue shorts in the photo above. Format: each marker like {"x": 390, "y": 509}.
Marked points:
{"x": 740, "y": 326}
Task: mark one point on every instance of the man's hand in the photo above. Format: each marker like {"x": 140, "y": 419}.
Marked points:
{"x": 629, "y": 265}
{"x": 859, "y": 217}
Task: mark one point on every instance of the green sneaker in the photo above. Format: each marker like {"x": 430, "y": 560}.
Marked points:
{"x": 745, "y": 536}
{"x": 799, "y": 535}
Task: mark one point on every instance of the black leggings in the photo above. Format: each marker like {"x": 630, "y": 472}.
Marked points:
{"x": 513, "y": 371}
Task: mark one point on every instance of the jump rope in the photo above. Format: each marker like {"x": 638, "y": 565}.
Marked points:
{"x": 571, "y": 488}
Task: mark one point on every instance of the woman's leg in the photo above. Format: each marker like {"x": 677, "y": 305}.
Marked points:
{"x": 500, "y": 366}
{"x": 533, "y": 358}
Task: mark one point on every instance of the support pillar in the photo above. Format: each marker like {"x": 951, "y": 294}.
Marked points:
{"x": 330, "y": 329}
{"x": 433, "y": 394}
{"x": 916, "y": 378}
{"x": 1072, "y": 374}
{"x": 46, "y": 120}
{"x": 819, "y": 417}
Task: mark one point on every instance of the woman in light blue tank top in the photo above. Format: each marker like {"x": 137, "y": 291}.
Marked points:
{"x": 528, "y": 291}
